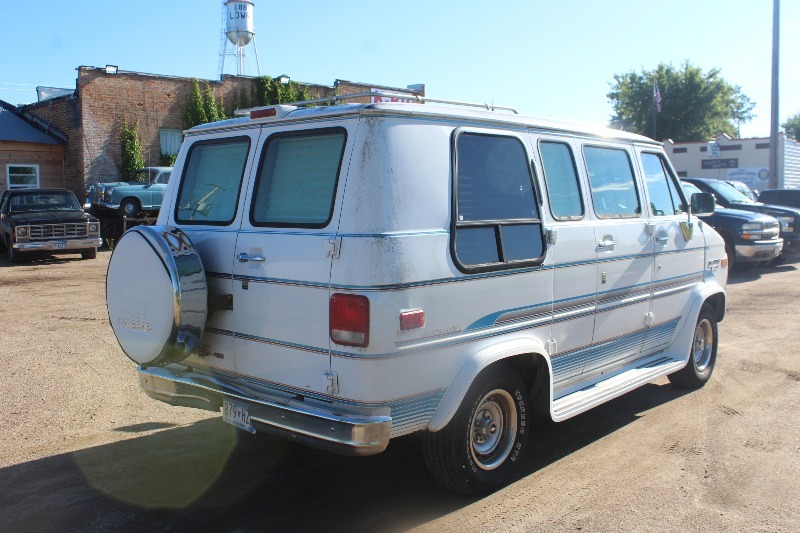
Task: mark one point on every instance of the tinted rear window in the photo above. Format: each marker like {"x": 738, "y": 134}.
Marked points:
{"x": 297, "y": 179}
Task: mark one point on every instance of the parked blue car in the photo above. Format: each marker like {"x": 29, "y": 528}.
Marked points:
{"x": 751, "y": 239}
{"x": 132, "y": 199}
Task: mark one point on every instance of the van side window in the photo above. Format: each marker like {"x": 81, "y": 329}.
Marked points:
{"x": 613, "y": 185}
{"x": 561, "y": 179}
{"x": 497, "y": 221}
{"x": 211, "y": 181}
{"x": 661, "y": 188}
{"x": 297, "y": 179}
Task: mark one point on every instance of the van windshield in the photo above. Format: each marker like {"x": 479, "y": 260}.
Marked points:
{"x": 729, "y": 193}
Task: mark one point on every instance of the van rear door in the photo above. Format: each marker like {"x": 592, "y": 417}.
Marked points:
{"x": 209, "y": 209}
{"x": 283, "y": 254}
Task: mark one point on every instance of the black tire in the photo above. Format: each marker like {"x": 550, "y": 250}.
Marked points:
{"x": 478, "y": 450}
{"x": 13, "y": 255}
{"x": 91, "y": 253}
{"x": 702, "y": 354}
{"x": 130, "y": 208}
{"x": 731, "y": 252}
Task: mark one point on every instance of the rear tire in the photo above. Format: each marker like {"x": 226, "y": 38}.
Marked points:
{"x": 702, "y": 355}
{"x": 478, "y": 450}
{"x": 130, "y": 208}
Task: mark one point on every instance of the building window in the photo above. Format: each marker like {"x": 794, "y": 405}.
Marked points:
{"x": 170, "y": 141}
{"x": 22, "y": 176}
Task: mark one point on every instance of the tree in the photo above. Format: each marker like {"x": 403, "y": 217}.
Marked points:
{"x": 695, "y": 105}
{"x": 131, "y": 144}
{"x": 270, "y": 91}
{"x": 792, "y": 127}
{"x": 195, "y": 112}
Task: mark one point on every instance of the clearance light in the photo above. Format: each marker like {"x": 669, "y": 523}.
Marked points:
{"x": 414, "y": 319}
{"x": 349, "y": 320}
{"x": 264, "y": 113}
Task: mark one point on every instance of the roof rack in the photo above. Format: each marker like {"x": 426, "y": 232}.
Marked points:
{"x": 367, "y": 94}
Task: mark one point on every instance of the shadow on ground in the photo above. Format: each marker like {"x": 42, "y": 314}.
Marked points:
{"x": 209, "y": 476}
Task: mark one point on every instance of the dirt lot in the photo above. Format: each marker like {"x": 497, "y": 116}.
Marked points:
{"x": 82, "y": 449}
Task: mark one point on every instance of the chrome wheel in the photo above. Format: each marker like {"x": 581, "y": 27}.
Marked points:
{"x": 493, "y": 429}
{"x": 703, "y": 344}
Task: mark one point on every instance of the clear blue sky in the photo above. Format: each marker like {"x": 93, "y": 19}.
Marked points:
{"x": 552, "y": 59}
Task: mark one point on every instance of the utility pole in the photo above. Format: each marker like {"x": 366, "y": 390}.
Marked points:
{"x": 773, "y": 134}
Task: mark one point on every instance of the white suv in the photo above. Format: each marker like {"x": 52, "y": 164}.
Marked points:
{"x": 349, "y": 274}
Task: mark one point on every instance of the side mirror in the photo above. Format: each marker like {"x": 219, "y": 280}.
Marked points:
{"x": 702, "y": 204}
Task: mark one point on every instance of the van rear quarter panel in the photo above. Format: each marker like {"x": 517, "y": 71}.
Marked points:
{"x": 395, "y": 230}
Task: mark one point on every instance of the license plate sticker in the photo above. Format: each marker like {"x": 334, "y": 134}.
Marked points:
{"x": 237, "y": 414}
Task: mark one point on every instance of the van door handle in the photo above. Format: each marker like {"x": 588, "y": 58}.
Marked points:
{"x": 607, "y": 242}
{"x": 661, "y": 239}
{"x": 243, "y": 258}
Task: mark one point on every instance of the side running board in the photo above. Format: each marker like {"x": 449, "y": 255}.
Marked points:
{"x": 584, "y": 399}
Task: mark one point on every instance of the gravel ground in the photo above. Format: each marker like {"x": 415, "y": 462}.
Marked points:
{"x": 82, "y": 449}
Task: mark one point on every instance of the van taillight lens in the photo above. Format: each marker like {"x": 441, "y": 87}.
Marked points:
{"x": 349, "y": 319}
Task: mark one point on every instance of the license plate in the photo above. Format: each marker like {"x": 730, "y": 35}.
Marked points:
{"x": 58, "y": 245}
{"x": 237, "y": 414}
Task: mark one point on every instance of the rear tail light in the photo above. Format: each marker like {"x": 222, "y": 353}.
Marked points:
{"x": 349, "y": 319}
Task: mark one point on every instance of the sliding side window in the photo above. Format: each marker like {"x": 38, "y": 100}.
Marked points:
{"x": 496, "y": 220}
{"x": 561, "y": 178}
{"x": 613, "y": 185}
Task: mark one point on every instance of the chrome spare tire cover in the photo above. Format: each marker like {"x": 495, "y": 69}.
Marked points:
{"x": 157, "y": 295}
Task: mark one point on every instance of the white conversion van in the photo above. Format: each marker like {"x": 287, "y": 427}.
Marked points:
{"x": 348, "y": 274}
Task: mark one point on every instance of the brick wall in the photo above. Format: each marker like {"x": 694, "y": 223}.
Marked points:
{"x": 93, "y": 117}
{"x": 63, "y": 113}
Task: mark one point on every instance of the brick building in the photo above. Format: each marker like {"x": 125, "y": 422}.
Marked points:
{"x": 91, "y": 117}
{"x": 31, "y": 155}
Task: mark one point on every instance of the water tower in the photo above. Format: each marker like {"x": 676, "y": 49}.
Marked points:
{"x": 237, "y": 32}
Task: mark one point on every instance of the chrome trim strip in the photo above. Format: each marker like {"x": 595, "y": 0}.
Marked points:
{"x": 50, "y": 245}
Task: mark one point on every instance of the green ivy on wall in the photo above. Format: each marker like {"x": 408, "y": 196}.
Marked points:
{"x": 131, "y": 144}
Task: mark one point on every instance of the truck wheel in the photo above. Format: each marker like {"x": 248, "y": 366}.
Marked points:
{"x": 703, "y": 353}
{"x": 12, "y": 254}
{"x": 478, "y": 450}
{"x": 731, "y": 251}
{"x": 129, "y": 208}
{"x": 91, "y": 253}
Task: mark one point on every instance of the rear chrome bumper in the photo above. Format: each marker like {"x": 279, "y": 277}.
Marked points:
{"x": 58, "y": 245}
{"x": 312, "y": 425}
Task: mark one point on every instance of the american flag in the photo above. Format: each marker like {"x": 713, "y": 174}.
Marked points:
{"x": 657, "y": 97}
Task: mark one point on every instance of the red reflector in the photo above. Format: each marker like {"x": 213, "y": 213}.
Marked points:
{"x": 349, "y": 319}
{"x": 264, "y": 113}
{"x": 412, "y": 319}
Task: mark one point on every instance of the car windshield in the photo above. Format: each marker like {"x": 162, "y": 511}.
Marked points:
{"x": 729, "y": 193}
{"x": 43, "y": 201}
